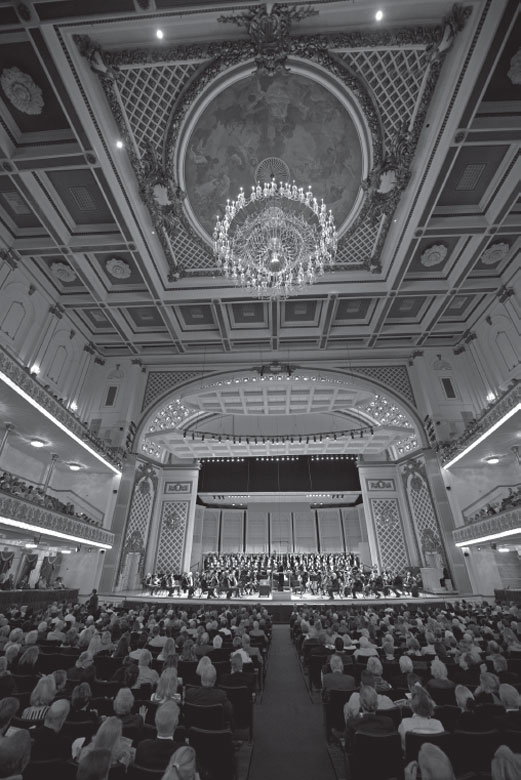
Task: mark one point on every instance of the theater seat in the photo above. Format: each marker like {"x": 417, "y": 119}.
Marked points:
{"x": 375, "y": 757}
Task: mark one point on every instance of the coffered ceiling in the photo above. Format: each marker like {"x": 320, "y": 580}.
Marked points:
{"x": 410, "y": 128}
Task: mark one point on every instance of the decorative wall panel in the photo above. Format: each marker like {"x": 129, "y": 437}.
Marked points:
{"x": 281, "y": 535}
{"x": 353, "y": 531}
{"x": 305, "y": 530}
{"x": 389, "y": 534}
{"x": 136, "y": 533}
{"x": 232, "y": 524}
{"x": 174, "y": 516}
{"x": 423, "y": 514}
{"x": 210, "y": 536}
{"x": 257, "y": 531}
{"x": 329, "y": 530}
{"x": 197, "y": 536}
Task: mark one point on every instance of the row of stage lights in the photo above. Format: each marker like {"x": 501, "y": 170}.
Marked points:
{"x": 278, "y": 458}
{"x": 332, "y": 436}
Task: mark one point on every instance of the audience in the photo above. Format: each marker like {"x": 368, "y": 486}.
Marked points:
{"x": 182, "y": 765}
{"x": 48, "y": 742}
{"x": 15, "y": 754}
{"x": 421, "y": 721}
{"x": 155, "y": 753}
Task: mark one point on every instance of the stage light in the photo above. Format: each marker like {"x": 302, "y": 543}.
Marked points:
{"x": 160, "y": 34}
{"x": 379, "y": 15}
{"x": 38, "y": 443}
{"x": 47, "y": 532}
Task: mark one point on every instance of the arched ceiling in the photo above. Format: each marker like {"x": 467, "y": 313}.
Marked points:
{"x": 282, "y": 413}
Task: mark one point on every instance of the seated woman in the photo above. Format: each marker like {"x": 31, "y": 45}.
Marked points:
{"x": 7, "y": 682}
{"x": 432, "y": 763}
{"x": 406, "y": 667}
{"x": 123, "y": 703}
{"x": 487, "y": 691}
{"x": 146, "y": 675}
{"x": 182, "y": 765}
{"x": 506, "y": 765}
{"x": 439, "y": 680}
{"x": 374, "y": 665}
{"x": 168, "y": 648}
{"x": 81, "y": 711}
{"x": 108, "y": 737}
{"x": 187, "y": 651}
{"x": 28, "y": 662}
{"x": 365, "y": 649}
{"x": 83, "y": 670}
{"x": 41, "y": 698}
{"x": 167, "y": 687}
{"x": 421, "y": 721}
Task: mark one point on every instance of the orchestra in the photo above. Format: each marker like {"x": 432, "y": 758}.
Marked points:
{"x": 320, "y": 575}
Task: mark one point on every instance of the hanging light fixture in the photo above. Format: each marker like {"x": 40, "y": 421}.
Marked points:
{"x": 275, "y": 242}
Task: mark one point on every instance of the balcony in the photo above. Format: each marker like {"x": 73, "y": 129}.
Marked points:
{"x": 25, "y": 516}
{"x": 505, "y": 524}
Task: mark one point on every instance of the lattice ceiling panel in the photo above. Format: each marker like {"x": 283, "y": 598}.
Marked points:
{"x": 395, "y": 76}
{"x": 147, "y": 94}
{"x": 358, "y": 247}
{"x": 194, "y": 256}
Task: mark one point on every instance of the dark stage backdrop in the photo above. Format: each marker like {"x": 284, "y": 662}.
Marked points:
{"x": 254, "y": 475}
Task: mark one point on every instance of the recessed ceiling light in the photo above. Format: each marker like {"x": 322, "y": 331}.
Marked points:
{"x": 74, "y": 406}
{"x": 493, "y": 459}
{"x": 74, "y": 466}
{"x": 491, "y": 397}
{"x": 35, "y": 368}
{"x": 31, "y": 545}
{"x": 160, "y": 34}
{"x": 119, "y": 144}
{"x": 38, "y": 443}
{"x": 379, "y": 15}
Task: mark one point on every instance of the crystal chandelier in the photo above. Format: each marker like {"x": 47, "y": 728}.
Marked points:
{"x": 275, "y": 242}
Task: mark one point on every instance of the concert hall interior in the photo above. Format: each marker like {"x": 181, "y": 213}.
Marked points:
{"x": 195, "y": 401}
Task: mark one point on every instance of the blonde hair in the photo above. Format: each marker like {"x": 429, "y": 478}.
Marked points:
{"x": 182, "y": 765}
{"x": 108, "y": 734}
{"x": 434, "y": 763}
{"x": 167, "y": 685}
{"x": 44, "y": 691}
{"x": 506, "y": 765}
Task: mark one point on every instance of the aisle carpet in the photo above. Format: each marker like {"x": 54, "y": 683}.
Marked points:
{"x": 289, "y": 740}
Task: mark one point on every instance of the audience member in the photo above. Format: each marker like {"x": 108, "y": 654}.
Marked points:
{"x": 421, "y": 721}
{"x": 155, "y": 753}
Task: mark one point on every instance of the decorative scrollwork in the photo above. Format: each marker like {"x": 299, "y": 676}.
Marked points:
{"x": 269, "y": 31}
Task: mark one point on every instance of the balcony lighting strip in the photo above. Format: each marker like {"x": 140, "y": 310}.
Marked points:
{"x": 59, "y": 424}
{"x": 483, "y": 436}
{"x": 490, "y": 537}
{"x": 46, "y": 532}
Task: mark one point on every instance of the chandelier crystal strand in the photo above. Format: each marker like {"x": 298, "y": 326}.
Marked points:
{"x": 276, "y": 241}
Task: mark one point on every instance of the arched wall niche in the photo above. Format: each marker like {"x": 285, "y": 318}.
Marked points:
{"x": 187, "y": 405}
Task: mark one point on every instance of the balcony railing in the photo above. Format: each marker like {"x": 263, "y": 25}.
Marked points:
{"x": 26, "y": 382}
{"x": 25, "y": 513}
{"x": 506, "y": 521}
{"x": 504, "y": 404}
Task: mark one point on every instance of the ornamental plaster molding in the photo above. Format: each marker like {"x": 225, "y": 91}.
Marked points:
{"x": 17, "y": 509}
{"x": 272, "y": 48}
{"x": 434, "y": 255}
{"x": 22, "y": 92}
{"x": 514, "y": 74}
{"x": 118, "y": 268}
{"x": 63, "y": 272}
{"x": 504, "y": 521}
{"x": 495, "y": 253}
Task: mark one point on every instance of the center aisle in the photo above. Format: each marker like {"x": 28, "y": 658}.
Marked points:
{"x": 289, "y": 738}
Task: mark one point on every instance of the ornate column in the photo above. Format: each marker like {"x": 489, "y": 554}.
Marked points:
{"x": 171, "y": 535}
{"x": 390, "y": 539}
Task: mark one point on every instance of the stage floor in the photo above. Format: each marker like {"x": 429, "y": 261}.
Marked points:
{"x": 278, "y": 599}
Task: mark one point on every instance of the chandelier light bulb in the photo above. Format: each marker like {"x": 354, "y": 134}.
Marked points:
{"x": 276, "y": 241}
{"x": 379, "y": 15}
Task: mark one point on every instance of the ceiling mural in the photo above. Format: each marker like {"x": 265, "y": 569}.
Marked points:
{"x": 289, "y": 125}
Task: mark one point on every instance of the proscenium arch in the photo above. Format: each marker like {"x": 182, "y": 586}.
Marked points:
{"x": 149, "y": 425}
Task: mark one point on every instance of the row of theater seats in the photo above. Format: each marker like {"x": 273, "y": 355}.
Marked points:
{"x": 202, "y": 726}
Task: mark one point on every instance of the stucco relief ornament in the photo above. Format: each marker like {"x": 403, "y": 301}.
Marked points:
{"x": 434, "y": 255}
{"x": 63, "y": 272}
{"x": 494, "y": 254}
{"x": 118, "y": 268}
{"x": 269, "y": 30}
{"x": 21, "y": 90}
{"x": 514, "y": 74}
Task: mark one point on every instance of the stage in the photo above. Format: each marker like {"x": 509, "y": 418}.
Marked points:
{"x": 279, "y": 604}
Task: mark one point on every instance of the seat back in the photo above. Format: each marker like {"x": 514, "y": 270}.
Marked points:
{"x": 214, "y": 751}
{"x": 186, "y": 670}
{"x": 394, "y": 713}
{"x": 54, "y": 768}
{"x": 443, "y": 695}
{"x": 242, "y": 705}
{"x": 334, "y": 710}
{"x": 72, "y": 730}
{"x": 474, "y": 749}
{"x": 414, "y": 740}
{"x": 204, "y": 716}
{"x": 136, "y": 772}
{"x": 376, "y": 756}
{"x": 448, "y": 714}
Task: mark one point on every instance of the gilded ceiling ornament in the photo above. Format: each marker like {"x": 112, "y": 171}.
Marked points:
{"x": 21, "y": 90}
{"x": 434, "y": 255}
{"x": 514, "y": 74}
{"x": 63, "y": 272}
{"x": 269, "y": 30}
{"x": 118, "y": 268}
{"x": 495, "y": 253}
